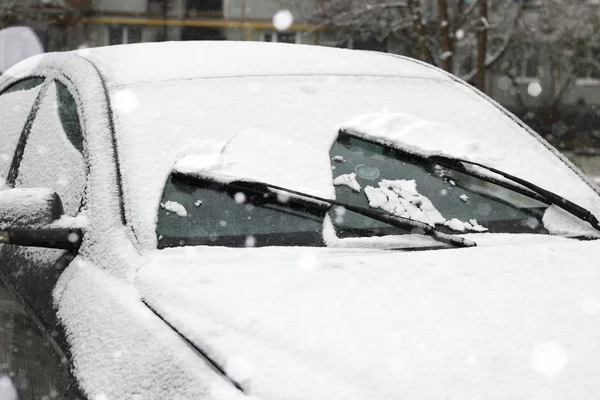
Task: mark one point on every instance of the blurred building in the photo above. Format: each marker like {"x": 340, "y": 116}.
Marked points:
{"x": 110, "y": 22}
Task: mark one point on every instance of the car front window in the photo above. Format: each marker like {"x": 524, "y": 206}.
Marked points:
{"x": 197, "y": 211}
{"x": 204, "y": 212}
{"x": 374, "y": 175}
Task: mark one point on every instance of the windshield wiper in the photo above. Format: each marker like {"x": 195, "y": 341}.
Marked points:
{"x": 411, "y": 225}
{"x": 539, "y": 193}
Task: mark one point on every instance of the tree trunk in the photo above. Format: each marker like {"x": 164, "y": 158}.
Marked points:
{"x": 482, "y": 46}
{"x": 414, "y": 7}
{"x": 445, "y": 41}
{"x": 164, "y": 11}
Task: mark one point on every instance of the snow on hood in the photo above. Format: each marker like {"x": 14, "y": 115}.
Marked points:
{"x": 516, "y": 321}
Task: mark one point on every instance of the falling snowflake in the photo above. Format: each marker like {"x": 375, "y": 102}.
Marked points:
{"x": 125, "y": 101}
{"x": 240, "y": 198}
{"x": 534, "y": 89}
{"x": 73, "y": 237}
{"x": 282, "y": 20}
{"x": 308, "y": 261}
{"x": 549, "y": 359}
{"x": 239, "y": 367}
{"x": 250, "y": 241}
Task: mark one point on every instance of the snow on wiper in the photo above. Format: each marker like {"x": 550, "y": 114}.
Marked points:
{"x": 411, "y": 225}
{"x": 538, "y": 193}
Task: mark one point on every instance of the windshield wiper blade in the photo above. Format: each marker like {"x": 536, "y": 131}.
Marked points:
{"x": 411, "y": 225}
{"x": 546, "y": 195}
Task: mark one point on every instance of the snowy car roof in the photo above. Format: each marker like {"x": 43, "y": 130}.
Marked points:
{"x": 131, "y": 64}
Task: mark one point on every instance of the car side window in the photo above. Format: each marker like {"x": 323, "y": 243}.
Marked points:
{"x": 53, "y": 157}
{"x": 69, "y": 118}
{"x": 16, "y": 104}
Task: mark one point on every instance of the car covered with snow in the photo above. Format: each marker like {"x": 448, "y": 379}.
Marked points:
{"x": 229, "y": 220}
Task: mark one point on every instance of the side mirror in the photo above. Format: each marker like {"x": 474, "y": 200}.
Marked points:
{"x": 26, "y": 216}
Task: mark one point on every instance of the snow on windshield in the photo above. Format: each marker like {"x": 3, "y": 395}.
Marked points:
{"x": 280, "y": 129}
{"x": 175, "y": 207}
{"x": 348, "y": 180}
{"x": 400, "y": 197}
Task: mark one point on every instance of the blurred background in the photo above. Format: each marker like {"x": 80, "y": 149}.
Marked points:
{"x": 538, "y": 58}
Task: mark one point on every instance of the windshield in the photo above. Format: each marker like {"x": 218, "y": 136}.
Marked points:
{"x": 196, "y": 211}
{"x": 370, "y": 174}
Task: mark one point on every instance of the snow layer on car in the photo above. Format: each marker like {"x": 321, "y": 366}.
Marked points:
{"x": 65, "y": 172}
{"x": 29, "y": 204}
{"x": 498, "y": 322}
{"x": 280, "y": 129}
{"x": 126, "y": 65}
{"x": 122, "y": 349}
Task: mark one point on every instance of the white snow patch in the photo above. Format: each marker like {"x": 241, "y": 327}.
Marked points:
{"x": 348, "y": 180}
{"x": 338, "y": 158}
{"x": 176, "y": 208}
{"x": 464, "y": 197}
{"x": 456, "y": 225}
{"x": 420, "y": 136}
{"x": 462, "y": 226}
{"x": 559, "y": 222}
{"x": 401, "y": 198}
{"x": 475, "y": 227}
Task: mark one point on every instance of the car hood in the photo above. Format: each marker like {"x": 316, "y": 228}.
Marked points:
{"x": 498, "y": 322}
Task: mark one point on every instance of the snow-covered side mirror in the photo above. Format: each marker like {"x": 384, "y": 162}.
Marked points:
{"x": 25, "y": 216}
{"x": 29, "y": 208}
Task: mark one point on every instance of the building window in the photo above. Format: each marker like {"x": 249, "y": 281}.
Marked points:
{"x": 195, "y": 8}
{"x": 281, "y": 37}
{"x": 124, "y": 34}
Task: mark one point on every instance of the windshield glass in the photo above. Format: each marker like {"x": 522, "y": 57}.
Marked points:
{"x": 373, "y": 175}
{"x": 204, "y": 212}
{"x": 197, "y": 211}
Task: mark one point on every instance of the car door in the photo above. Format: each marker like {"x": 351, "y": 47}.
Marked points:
{"x": 47, "y": 154}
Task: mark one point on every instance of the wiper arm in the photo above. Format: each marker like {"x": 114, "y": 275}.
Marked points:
{"x": 411, "y": 225}
{"x": 545, "y": 195}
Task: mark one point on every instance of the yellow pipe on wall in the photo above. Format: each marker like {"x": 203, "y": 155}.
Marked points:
{"x": 198, "y": 23}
